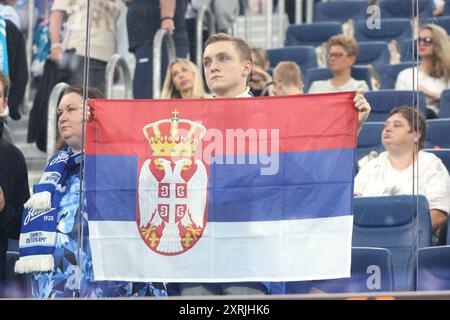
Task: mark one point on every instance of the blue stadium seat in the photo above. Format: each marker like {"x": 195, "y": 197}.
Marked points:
{"x": 358, "y": 72}
{"x": 375, "y": 53}
{"x": 391, "y": 71}
{"x": 438, "y": 133}
{"x": 369, "y": 138}
{"x": 446, "y": 8}
{"x": 394, "y": 223}
{"x": 391, "y": 29}
{"x": 433, "y": 265}
{"x": 404, "y": 8}
{"x": 304, "y": 56}
{"x": 443, "y": 154}
{"x": 444, "y": 105}
{"x": 311, "y": 34}
{"x": 443, "y": 22}
{"x": 383, "y": 101}
{"x": 371, "y": 271}
{"x": 407, "y": 51}
{"x": 340, "y": 11}
{"x": 15, "y": 286}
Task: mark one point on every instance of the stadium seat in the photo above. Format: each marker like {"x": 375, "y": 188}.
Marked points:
{"x": 369, "y": 139}
{"x": 16, "y": 286}
{"x": 404, "y": 8}
{"x": 383, "y": 101}
{"x": 407, "y": 51}
{"x": 340, "y": 11}
{"x": 444, "y": 106}
{"x": 443, "y": 154}
{"x": 400, "y": 224}
{"x": 391, "y": 29}
{"x": 390, "y": 73}
{"x": 443, "y": 22}
{"x": 375, "y": 53}
{"x": 371, "y": 271}
{"x": 433, "y": 265}
{"x": 311, "y": 34}
{"x": 304, "y": 56}
{"x": 438, "y": 133}
{"x": 315, "y": 74}
{"x": 446, "y": 9}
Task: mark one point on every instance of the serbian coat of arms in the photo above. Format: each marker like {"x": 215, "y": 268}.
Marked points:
{"x": 172, "y": 187}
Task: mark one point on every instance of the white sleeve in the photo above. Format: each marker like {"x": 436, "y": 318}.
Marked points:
{"x": 313, "y": 88}
{"x": 60, "y": 5}
{"x": 437, "y": 187}
{"x": 361, "y": 180}
{"x": 404, "y": 80}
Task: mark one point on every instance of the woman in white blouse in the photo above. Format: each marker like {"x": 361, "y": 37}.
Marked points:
{"x": 391, "y": 173}
{"x": 433, "y": 74}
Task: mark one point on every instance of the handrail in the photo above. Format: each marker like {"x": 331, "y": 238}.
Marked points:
{"x": 309, "y": 11}
{"x": 117, "y": 60}
{"x": 281, "y": 27}
{"x": 52, "y": 118}
{"x": 298, "y": 11}
{"x": 269, "y": 23}
{"x": 199, "y": 32}
{"x": 29, "y": 48}
{"x": 157, "y": 46}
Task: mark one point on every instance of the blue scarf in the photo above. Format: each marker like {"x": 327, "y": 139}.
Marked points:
{"x": 3, "y": 47}
{"x": 38, "y": 235}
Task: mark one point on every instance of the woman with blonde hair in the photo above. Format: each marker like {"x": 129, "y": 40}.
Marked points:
{"x": 183, "y": 81}
{"x": 433, "y": 73}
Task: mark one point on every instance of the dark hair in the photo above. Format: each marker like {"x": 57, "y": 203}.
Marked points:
{"x": 92, "y": 93}
{"x": 416, "y": 121}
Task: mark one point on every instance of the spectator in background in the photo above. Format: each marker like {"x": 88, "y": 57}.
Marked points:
{"x": 342, "y": 51}
{"x": 69, "y": 53}
{"x": 183, "y": 81}
{"x": 14, "y": 191}
{"x": 287, "y": 79}
{"x": 433, "y": 74}
{"x": 144, "y": 19}
{"x": 391, "y": 173}
{"x": 260, "y": 78}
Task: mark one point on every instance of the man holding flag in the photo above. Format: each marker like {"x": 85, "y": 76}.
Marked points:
{"x": 188, "y": 204}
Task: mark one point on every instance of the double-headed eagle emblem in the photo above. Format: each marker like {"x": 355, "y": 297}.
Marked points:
{"x": 172, "y": 186}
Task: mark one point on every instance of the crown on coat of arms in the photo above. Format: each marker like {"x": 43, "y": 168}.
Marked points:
{"x": 174, "y": 137}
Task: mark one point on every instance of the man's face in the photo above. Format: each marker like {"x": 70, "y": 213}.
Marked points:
{"x": 225, "y": 72}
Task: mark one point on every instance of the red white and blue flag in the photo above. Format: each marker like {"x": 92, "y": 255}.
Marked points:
{"x": 221, "y": 190}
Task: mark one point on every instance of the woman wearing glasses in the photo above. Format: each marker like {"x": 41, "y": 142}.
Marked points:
{"x": 342, "y": 52}
{"x": 433, "y": 73}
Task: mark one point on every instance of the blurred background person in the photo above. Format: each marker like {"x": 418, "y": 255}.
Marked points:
{"x": 260, "y": 78}
{"x": 391, "y": 173}
{"x": 433, "y": 74}
{"x": 287, "y": 79}
{"x": 342, "y": 51}
{"x": 183, "y": 81}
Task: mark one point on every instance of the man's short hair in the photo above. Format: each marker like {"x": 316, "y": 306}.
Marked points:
{"x": 6, "y": 83}
{"x": 416, "y": 121}
{"x": 348, "y": 43}
{"x": 241, "y": 46}
{"x": 288, "y": 72}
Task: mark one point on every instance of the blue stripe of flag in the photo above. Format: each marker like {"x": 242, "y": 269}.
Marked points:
{"x": 310, "y": 184}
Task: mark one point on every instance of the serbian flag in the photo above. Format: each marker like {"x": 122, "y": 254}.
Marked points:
{"x": 221, "y": 190}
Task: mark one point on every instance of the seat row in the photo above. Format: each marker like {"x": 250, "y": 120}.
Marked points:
{"x": 391, "y": 250}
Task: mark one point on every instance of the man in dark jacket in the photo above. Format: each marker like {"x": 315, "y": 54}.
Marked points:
{"x": 14, "y": 190}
